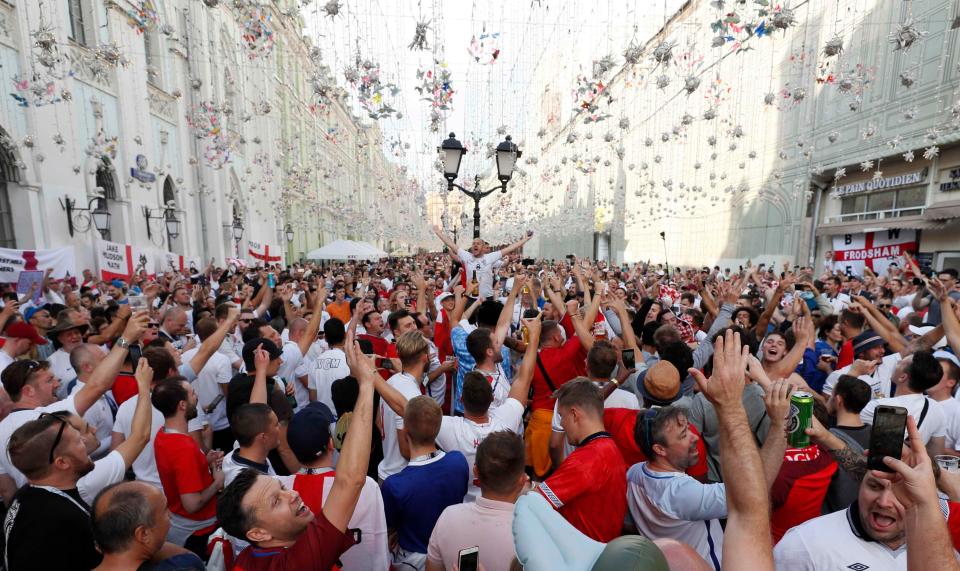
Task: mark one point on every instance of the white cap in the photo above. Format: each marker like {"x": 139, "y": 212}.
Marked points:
{"x": 948, "y": 356}
{"x": 923, "y": 330}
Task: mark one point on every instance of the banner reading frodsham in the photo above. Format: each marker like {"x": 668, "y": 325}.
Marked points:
{"x": 874, "y": 250}
{"x": 12, "y": 262}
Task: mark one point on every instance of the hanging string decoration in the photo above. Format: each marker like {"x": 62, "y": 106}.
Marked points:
{"x": 143, "y": 16}
{"x": 485, "y": 50}
{"x": 588, "y": 96}
{"x": 258, "y": 32}
{"x": 435, "y": 88}
{"x": 37, "y": 92}
{"x": 373, "y": 94}
{"x": 419, "y": 42}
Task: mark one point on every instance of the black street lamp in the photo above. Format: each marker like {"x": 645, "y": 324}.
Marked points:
{"x": 237, "y": 233}
{"x": 99, "y": 215}
{"x": 451, "y": 154}
{"x": 169, "y": 217}
{"x": 289, "y": 233}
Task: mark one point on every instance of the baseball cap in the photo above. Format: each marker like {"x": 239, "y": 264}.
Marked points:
{"x": 250, "y": 346}
{"x": 31, "y": 311}
{"x": 948, "y": 356}
{"x": 23, "y": 330}
{"x": 117, "y": 283}
{"x": 308, "y": 433}
{"x": 867, "y": 340}
{"x": 923, "y": 330}
{"x": 661, "y": 384}
{"x": 442, "y": 297}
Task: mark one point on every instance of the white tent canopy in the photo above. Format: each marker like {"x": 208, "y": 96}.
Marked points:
{"x": 346, "y": 250}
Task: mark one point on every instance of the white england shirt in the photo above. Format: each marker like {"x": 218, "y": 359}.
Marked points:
{"x": 879, "y": 381}
{"x": 459, "y": 433}
{"x": 330, "y": 366}
{"x": 481, "y": 268}
{"x": 393, "y": 461}
{"x": 676, "y": 506}
{"x": 934, "y": 423}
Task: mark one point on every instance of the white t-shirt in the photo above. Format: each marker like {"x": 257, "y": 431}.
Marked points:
{"x": 145, "y": 466}
{"x": 218, "y": 371}
{"x": 500, "y": 383}
{"x": 292, "y": 357}
{"x": 839, "y": 303}
{"x": 934, "y": 423}
{"x": 17, "y": 419}
{"x": 676, "y": 506}
{"x": 879, "y": 381}
{"x": 99, "y": 416}
{"x": 60, "y": 367}
{"x": 330, "y": 366}
{"x": 481, "y": 268}
{"x": 830, "y": 542}
{"x": 393, "y": 461}
{"x": 459, "y": 433}
{"x": 233, "y": 464}
{"x": 108, "y": 470}
{"x": 5, "y": 360}
{"x": 951, "y": 414}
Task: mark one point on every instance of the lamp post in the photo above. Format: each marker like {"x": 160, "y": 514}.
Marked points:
{"x": 289, "y": 232}
{"x": 237, "y": 233}
{"x": 98, "y": 215}
{"x": 171, "y": 222}
{"x": 451, "y": 153}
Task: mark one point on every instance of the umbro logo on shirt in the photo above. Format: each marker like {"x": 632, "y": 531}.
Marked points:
{"x": 858, "y": 567}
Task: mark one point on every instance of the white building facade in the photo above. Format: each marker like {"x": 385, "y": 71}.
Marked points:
{"x": 203, "y": 111}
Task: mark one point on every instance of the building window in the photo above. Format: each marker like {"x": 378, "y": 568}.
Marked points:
{"x": 104, "y": 180}
{"x": 77, "y": 12}
{"x": 889, "y": 204}
{"x": 151, "y": 47}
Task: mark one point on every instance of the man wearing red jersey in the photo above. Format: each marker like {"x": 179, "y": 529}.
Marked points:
{"x": 589, "y": 489}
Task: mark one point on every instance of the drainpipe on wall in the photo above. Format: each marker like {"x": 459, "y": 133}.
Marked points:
{"x": 812, "y": 257}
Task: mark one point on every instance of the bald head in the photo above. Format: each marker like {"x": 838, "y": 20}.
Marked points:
{"x": 84, "y": 359}
{"x": 296, "y": 328}
{"x": 124, "y": 513}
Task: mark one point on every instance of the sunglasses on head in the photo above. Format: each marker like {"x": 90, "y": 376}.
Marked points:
{"x": 56, "y": 441}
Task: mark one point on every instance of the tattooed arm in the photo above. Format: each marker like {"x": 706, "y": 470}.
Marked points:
{"x": 853, "y": 462}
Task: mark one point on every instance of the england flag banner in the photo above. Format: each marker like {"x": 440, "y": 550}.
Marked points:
{"x": 12, "y": 262}
{"x": 262, "y": 254}
{"x": 875, "y": 250}
{"x": 123, "y": 261}
{"x": 177, "y": 263}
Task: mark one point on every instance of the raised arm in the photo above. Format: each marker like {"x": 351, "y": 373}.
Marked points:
{"x": 445, "y": 239}
{"x": 459, "y": 304}
{"x": 516, "y": 245}
{"x": 520, "y": 389}
{"x": 212, "y": 343}
{"x": 117, "y": 324}
{"x": 777, "y": 402}
{"x": 506, "y": 314}
{"x": 355, "y": 454}
{"x": 951, "y": 324}
{"x": 804, "y": 332}
{"x": 131, "y": 447}
{"x": 261, "y": 360}
{"x": 747, "y": 535}
{"x": 310, "y": 335}
{"x": 584, "y": 327}
{"x": 760, "y": 331}
{"x": 105, "y": 373}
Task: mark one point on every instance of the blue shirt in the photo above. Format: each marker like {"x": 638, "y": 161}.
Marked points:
{"x": 415, "y": 497}
{"x": 466, "y": 363}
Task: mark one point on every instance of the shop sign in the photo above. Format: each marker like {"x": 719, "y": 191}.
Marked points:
{"x": 883, "y": 183}
{"x": 954, "y": 180}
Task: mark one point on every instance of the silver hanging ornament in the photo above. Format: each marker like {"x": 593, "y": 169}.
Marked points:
{"x": 906, "y": 35}
{"x": 663, "y": 53}
{"x": 833, "y": 46}
{"x": 663, "y": 81}
{"x": 798, "y": 94}
{"x": 783, "y": 19}
{"x": 709, "y": 114}
{"x": 691, "y": 83}
{"x": 907, "y": 79}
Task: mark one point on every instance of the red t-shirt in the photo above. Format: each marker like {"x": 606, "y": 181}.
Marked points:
{"x": 620, "y": 423}
{"x": 846, "y": 354}
{"x": 183, "y": 469}
{"x": 124, "y": 387}
{"x": 562, "y": 364}
{"x": 319, "y": 547}
{"x": 953, "y": 524}
{"x": 589, "y": 488}
{"x": 310, "y": 488}
{"x": 797, "y": 493}
{"x": 441, "y": 334}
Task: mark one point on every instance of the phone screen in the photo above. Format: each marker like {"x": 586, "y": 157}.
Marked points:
{"x": 136, "y": 353}
{"x": 469, "y": 559}
{"x": 886, "y": 436}
{"x": 629, "y": 359}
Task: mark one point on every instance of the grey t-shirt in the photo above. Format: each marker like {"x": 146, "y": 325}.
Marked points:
{"x": 934, "y": 316}
{"x": 701, "y": 413}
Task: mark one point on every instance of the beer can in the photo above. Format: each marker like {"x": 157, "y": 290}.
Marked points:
{"x": 801, "y": 412}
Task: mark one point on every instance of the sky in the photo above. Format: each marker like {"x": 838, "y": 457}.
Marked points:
{"x": 531, "y": 36}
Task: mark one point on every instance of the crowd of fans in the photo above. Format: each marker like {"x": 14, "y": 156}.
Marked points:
{"x": 474, "y": 409}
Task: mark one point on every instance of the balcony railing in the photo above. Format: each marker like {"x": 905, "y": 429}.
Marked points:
{"x": 877, "y": 214}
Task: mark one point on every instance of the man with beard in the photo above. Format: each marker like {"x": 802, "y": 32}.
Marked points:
{"x": 665, "y": 502}
{"x": 53, "y": 457}
{"x": 190, "y": 479}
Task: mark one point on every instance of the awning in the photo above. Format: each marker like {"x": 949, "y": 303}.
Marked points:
{"x": 943, "y": 211}
{"x": 344, "y": 250}
{"x": 914, "y": 222}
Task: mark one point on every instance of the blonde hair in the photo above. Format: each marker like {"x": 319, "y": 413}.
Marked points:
{"x": 411, "y": 345}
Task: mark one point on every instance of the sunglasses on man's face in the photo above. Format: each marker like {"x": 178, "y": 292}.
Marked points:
{"x": 246, "y": 320}
{"x": 884, "y": 305}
